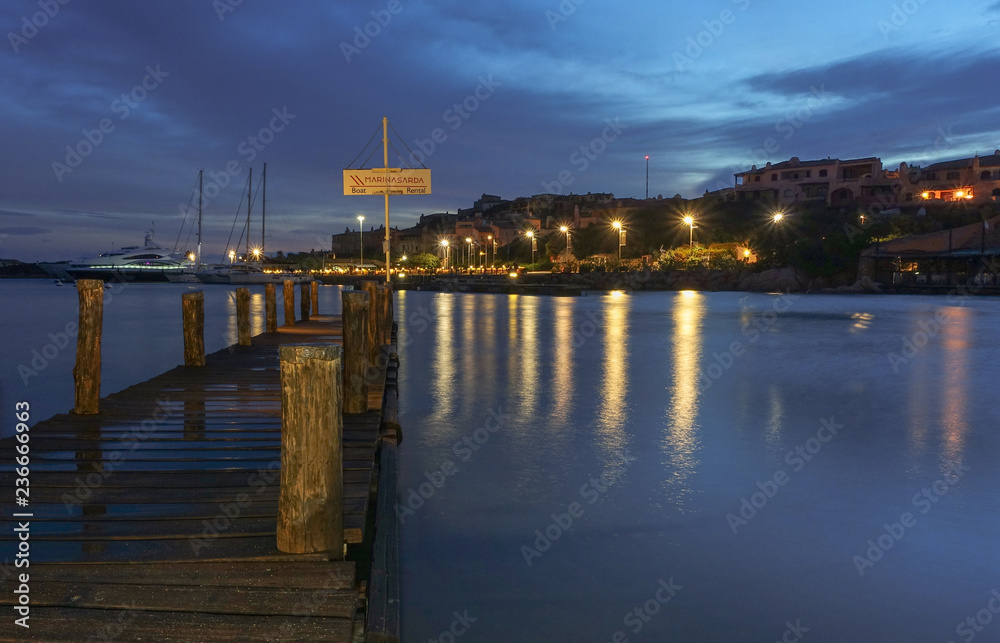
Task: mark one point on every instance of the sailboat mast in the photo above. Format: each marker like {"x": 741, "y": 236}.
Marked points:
{"x": 200, "y": 177}
{"x": 263, "y": 205}
{"x": 249, "y": 196}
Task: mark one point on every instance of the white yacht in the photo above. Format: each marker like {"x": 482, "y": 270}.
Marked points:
{"x": 151, "y": 262}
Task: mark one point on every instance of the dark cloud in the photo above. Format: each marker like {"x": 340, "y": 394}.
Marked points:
{"x": 24, "y": 231}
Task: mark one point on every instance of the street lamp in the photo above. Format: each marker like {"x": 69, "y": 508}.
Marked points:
{"x": 531, "y": 237}
{"x": 617, "y": 225}
{"x": 232, "y": 256}
{"x": 568, "y": 246}
{"x": 778, "y": 216}
{"x": 468, "y": 250}
{"x": 489, "y": 237}
{"x": 689, "y": 220}
{"x": 447, "y": 253}
{"x": 361, "y": 239}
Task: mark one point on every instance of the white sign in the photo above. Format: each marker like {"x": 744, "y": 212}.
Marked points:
{"x": 396, "y": 180}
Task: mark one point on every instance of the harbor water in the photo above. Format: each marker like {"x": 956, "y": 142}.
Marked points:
{"x": 647, "y": 466}
{"x": 699, "y": 467}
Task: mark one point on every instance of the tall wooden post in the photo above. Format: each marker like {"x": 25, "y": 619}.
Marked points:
{"x": 193, "y": 304}
{"x": 243, "y": 316}
{"x": 270, "y": 309}
{"x": 355, "y": 316}
{"x": 311, "y": 499}
{"x": 314, "y": 287}
{"x": 289, "y": 303}
{"x": 386, "y": 313}
{"x": 304, "y": 300}
{"x": 374, "y": 348}
{"x": 87, "y": 371}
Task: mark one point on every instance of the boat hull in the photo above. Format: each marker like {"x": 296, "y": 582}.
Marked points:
{"x": 129, "y": 275}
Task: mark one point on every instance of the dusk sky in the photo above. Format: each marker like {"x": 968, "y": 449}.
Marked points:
{"x": 516, "y": 89}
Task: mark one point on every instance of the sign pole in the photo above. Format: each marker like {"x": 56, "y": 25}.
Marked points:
{"x": 385, "y": 155}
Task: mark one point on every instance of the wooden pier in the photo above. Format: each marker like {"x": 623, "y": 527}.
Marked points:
{"x": 155, "y": 519}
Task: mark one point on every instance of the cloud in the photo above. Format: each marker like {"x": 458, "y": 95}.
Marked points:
{"x": 25, "y": 231}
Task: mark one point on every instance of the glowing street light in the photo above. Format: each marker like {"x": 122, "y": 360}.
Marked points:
{"x": 778, "y": 217}
{"x": 617, "y": 225}
{"x": 489, "y": 237}
{"x": 531, "y": 236}
{"x": 361, "y": 238}
{"x": 447, "y": 253}
{"x": 232, "y": 256}
{"x": 689, "y": 220}
{"x": 569, "y": 248}
{"x": 468, "y": 250}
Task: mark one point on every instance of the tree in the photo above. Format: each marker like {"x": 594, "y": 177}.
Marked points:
{"x": 424, "y": 260}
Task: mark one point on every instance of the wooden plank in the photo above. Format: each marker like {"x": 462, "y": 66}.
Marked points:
{"x": 69, "y": 624}
{"x": 307, "y": 575}
{"x": 159, "y": 597}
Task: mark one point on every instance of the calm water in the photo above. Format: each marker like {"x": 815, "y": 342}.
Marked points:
{"x": 732, "y": 453}
{"x": 142, "y": 336}
{"x": 830, "y": 418}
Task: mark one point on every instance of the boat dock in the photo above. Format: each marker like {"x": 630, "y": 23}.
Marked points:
{"x": 157, "y": 518}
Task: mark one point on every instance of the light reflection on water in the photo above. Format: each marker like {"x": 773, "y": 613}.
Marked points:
{"x": 680, "y": 438}
{"x": 578, "y": 400}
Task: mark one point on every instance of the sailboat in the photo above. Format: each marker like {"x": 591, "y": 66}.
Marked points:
{"x": 250, "y": 273}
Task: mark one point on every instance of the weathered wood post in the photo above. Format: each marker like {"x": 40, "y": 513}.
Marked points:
{"x": 270, "y": 309}
{"x": 387, "y": 314}
{"x": 314, "y": 286}
{"x": 311, "y": 499}
{"x": 304, "y": 300}
{"x": 193, "y": 304}
{"x": 289, "y": 303}
{"x": 374, "y": 348}
{"x": 243, "y": 316}
{"x": 87, "y": 371}
{"x": 382, "y": 302}
{"x": 355, "y": 316}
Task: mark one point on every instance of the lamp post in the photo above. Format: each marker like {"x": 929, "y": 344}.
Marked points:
{"x": 617, "y": 225}
{"x": 531, "y": 237}
{"x": 447, "y": 253}
{"x": 778, "y": 216}
{"x": 689, "y": 220}
{"x": 468, "y": 253}
{"x": 569, "y": 248}
{"x": 361, "y": 240}
{"x": 489, "y": 238}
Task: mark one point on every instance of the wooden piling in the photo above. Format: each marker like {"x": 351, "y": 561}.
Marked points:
{"x": 374, "y": 346}
{"x": 243, "y": 316}
{"x": 289, "y": 303}
{"x": 310, "y": 501}
{"x": 385, "y": 313}
{"x": 314, "y": 287}
{"x": 193, "y": 304}
{"x": 87, "y": 371}
{"x": 270, "y": 309}
{"x": 304, "y": 300}
{"x": 355, "y": 317}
